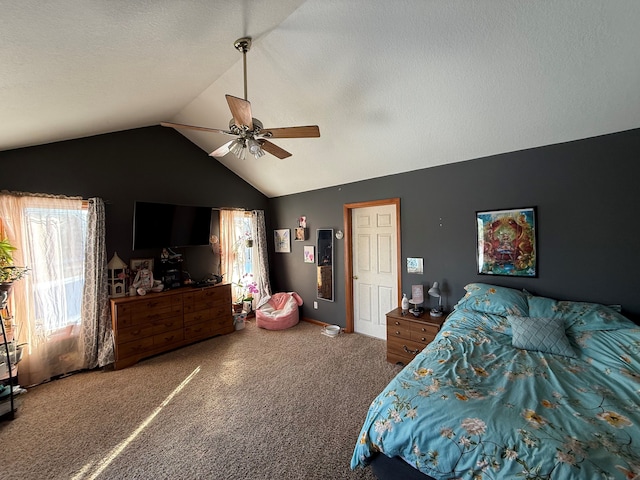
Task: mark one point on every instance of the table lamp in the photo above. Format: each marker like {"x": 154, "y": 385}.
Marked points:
{"x": 435, "y": 292}
{"x": 417, "y": 297}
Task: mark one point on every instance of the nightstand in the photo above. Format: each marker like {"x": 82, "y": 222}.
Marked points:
{"x": 407, "y": 334}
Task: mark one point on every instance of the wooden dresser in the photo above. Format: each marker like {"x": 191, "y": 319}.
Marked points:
{"x": 157, "y": 322}
{"x": 407, "y": 335}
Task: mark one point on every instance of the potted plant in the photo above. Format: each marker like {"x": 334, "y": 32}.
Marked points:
{"x": 249, "y": 287}
{"x": 9, "y": 272}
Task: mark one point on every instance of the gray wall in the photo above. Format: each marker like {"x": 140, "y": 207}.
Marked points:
{"x": 585, "y": 193}
{"x": 588, "y": 235}
{"x": 153, "y": 164}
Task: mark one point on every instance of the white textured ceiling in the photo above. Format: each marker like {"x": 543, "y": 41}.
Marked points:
{"x": 394, "y": 86}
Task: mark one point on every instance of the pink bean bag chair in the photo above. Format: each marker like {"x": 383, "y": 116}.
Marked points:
{"x": 280, "y": 311}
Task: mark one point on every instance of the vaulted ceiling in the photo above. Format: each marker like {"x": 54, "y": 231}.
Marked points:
{"x": 394, "y": 86}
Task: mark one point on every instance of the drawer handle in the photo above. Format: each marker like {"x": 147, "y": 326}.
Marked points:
{"x": 397, "y": 323}
{"x": 422, "y": 339}
{"x": 397, "y": 332}
{"x": 412, "y": 352}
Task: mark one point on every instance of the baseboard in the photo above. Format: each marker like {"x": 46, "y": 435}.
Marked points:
{"x": 315, "y": 322}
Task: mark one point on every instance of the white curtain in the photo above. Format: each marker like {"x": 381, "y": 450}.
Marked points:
{"x": 231, "y": 262}
{"x": 260, "y": 257}
{"x": 50, "y": 233}
{"x": 236, "y": 227}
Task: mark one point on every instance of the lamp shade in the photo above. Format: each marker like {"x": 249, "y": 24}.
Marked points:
{"x": 417, "y": 295}
{"x": 434, "y": 291}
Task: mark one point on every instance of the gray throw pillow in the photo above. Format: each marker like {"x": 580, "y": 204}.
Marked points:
{"x": 540, "y": 334}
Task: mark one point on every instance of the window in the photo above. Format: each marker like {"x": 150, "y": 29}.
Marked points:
{"x": 57, "y": 239}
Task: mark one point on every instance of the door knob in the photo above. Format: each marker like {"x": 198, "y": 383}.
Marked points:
{"x": 355, "y": 277}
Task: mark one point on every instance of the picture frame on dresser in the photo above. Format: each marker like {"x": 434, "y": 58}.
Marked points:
{"x": 139, "y": 263}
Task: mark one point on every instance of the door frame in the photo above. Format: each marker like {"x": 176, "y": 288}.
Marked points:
{"x": 348, "y": 252}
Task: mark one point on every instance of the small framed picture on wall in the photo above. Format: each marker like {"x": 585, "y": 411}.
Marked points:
{"x": 309, "y": 254}
{"x": 282, "y": 240}
{"x": 301, "y": 234}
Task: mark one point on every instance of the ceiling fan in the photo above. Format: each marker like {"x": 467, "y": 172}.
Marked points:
{"x": 249, "y": 132}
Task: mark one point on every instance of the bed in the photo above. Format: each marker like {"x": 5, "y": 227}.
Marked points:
{"x": 513, "y": 386}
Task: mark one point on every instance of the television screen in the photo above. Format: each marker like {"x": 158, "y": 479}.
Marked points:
{"x": 159, "y": 225}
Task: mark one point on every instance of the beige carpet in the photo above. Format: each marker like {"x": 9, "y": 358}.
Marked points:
{"x": 255, "y": 404}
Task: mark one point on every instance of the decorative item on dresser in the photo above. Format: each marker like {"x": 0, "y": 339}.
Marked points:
{"x": 407, "y": 335}
{"x": 157, "y": 322}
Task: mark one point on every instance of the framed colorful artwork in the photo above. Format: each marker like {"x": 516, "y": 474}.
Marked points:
{"x": 309, "y": 254}
{"x": 507, "y": 242}
{"x": 282, "y": 240}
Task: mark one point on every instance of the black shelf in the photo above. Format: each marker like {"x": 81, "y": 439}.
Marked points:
{"x": 8, "y": 402}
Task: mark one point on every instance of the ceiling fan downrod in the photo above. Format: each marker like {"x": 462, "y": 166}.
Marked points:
{"x": 243, "y": 45}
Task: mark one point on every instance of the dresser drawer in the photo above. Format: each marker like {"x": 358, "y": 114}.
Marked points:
{"x": 406, "y": 349}
{"x": 136, "y": 332}
{"x": 166, "y": 339}
{"x": 197, "y": 317}
{"x": 423, "y": 333}
{"x": 167, "y": 324}
{"x": 159, "y": 313}
{"x": 398, "y": 328}
{"x": 206, "y": 299}
{"x": 135, "y": 347}
{"x": 398, "y": 332}
{"x": 198, "y": 331}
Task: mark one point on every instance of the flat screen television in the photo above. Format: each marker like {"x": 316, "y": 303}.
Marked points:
{"x": 159, "y": 225}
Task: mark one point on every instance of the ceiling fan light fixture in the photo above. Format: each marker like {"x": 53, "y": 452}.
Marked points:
{"x": 255, "y": 148}
{"x": 239, "y": 148}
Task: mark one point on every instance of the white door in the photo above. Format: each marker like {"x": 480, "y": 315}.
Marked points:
{"x": 375, "y": 288}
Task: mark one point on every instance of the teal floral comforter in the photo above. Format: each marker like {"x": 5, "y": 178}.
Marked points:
{"x": 472, "y": 406}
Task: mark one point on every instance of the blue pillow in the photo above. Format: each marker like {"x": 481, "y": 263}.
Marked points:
{"x": 541, "y": 334}
{"x": 485, "y": 298}
{"x": 578, "y": 316}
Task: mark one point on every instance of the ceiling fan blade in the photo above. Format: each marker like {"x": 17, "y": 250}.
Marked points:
{"x": 292, "y": 132}
{"x": 274, "y": 150}
{"x": 241, "y": 111}
{"x": 223, "y": 150}
{"x": 193, "y": 127}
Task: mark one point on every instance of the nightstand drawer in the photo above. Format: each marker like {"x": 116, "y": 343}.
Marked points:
{"x": 423, "y": 333}
{"x": 398, "y": 331}
{"x": 406, "y": 349}
{"x": 397, "y": 327}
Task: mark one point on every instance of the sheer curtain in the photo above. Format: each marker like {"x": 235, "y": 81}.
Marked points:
{"x": 229, "y": 243}
{"x": 49, "y": 304}
{"x": 236, "y": 226}
{"x": 260, "y": 257}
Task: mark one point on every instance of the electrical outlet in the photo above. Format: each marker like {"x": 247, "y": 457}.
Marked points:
{"x": 315, "y": 305}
